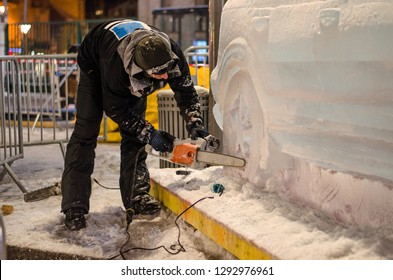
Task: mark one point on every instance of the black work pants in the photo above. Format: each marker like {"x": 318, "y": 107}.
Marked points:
{"x": 79, "y": 162}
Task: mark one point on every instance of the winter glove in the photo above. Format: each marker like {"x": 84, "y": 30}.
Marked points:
{"x": 161, "y": 141}
{"x": 198, "y": 130}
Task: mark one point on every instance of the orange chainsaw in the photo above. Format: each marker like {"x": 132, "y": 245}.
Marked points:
{"x": 197, "y": 154}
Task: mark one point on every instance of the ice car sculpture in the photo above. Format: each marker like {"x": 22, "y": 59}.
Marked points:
{"x": 304, "y": 91}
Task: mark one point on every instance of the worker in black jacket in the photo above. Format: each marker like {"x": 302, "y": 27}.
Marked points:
{"x": 122, "y": 62}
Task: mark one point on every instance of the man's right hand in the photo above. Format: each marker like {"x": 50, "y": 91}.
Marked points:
{"x": 161, "y": 141}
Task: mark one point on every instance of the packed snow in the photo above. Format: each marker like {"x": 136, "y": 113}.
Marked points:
{"x": 284, "y": 228}
{"x": 39, "y": 225}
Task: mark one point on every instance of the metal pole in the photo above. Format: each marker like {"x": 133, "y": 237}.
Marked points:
{"x": 4, "y": 27}
{"x": 3, "y": 246}
{"x": 24, "y": 21}
{"x": 25, "y": 11}
{"x": 5, "y": 3}
{"x": 215, "y": 9}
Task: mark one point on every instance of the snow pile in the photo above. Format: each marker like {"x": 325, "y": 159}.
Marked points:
{"x": 285, "y": 228}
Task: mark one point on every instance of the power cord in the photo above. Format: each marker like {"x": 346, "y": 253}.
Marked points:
{"x": 102, "y": 186}
{"x": 173, "y": 249}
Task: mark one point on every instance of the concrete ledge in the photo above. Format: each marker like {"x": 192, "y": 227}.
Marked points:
{"x": 233, "y": 242}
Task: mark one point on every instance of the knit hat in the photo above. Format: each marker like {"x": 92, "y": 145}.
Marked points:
{"x": 152, "y": 51}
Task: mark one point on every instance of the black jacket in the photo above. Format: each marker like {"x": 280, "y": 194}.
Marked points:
{"x": 106, "y": 52}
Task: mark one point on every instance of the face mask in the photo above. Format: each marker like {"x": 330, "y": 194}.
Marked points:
{"x": 162, "y": 69}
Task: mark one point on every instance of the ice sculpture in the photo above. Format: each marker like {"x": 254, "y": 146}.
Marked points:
{"x": 304, "y": 91}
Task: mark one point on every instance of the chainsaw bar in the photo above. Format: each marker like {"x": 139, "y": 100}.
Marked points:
{"x": 197, "y": 154}
{"x": 219, "y": 159}
{"x": 203, "y": 159}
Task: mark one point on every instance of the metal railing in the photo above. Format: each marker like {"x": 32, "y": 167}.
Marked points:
{"x": 198, "y": 59}
{"x": 3, "y": 244}
{"x": 35, "y": 107}
{"x": 54, "y": 37}
{"x": 11, "y": 143}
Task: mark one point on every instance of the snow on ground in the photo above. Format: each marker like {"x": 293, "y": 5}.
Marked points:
{"x": 287, "y": 229}
{"x": 283, "y": 227}
{"x": 39, "y": 225}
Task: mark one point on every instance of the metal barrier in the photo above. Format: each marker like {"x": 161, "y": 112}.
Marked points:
{"x": 3, "y": 244}
{"x": 54, "y": 37}
{"x": 35, "y": 107}
{"x": 11, "y": 141}
{"x": 169, "y": 118}
{"x": 197, "y": 58}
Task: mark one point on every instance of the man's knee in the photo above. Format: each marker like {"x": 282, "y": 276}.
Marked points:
{"x": 87, "y": 130}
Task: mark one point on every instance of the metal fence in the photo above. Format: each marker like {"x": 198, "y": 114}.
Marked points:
{"x": 198, "y": 59}
{"x": 3, "y": 244}
{"x": 11, "y": 141}
{"x": 46, "y": 37}
{"x": 36, "y": 104}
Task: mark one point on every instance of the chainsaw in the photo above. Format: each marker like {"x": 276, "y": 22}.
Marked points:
{"x": 197, "y": 154}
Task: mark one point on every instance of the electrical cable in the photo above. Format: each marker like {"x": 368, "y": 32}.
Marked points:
{"x": 108, "y": 188}
{"x": 174, "y": 248}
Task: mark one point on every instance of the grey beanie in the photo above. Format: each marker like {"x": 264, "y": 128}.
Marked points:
{"x": 152, "y": 51}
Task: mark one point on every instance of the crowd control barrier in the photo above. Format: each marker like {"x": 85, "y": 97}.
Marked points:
{"x": 37, "y": 96}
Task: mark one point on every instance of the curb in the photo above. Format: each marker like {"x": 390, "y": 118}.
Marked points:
{"x": 227, "y": 238}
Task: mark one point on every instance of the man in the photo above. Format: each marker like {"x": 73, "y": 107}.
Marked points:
{"x": 121, "y": 63}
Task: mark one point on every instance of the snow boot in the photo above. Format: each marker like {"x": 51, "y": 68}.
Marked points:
{"x": 145, "y": 205}
{"x": 75, "y": 219}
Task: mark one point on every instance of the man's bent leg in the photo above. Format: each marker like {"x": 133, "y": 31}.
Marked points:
{"x": 80, "y": 154}
{"x": 135, "y": 179}
{"x": 76, "y": 179}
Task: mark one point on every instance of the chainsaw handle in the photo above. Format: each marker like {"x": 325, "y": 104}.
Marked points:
{"x": 199, "y": 141}
{"x": 209, "y": 143}
{"x": 212, "y": 143}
